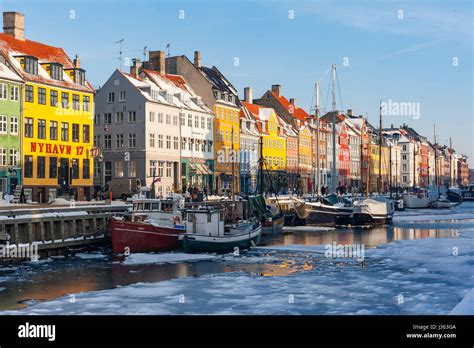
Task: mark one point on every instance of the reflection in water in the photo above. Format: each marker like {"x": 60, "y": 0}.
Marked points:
{"x": 58, "y": 278}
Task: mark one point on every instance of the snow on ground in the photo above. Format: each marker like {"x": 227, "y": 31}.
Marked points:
{"x": 319, "y": 249}
{"x": 466, "y": 306}
{"x": 423, "y": 276}
{"x": 89, "y": 256}
{"x": 141, "y": 258}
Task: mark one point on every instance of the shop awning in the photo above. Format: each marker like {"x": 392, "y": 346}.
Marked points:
{"x": 200, "y": 168}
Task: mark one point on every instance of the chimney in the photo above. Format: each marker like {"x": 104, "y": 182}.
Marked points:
{"x": 292, "y": 101}
{"x": 14, "y": 25}
{"x": 276, "y": 89}
{"x": 248, "y": 94}
{"x": 349, "y": 112}
{"x": 157, "y": 61}
{"x": 77, "y": 62}
{"x": 135, "y": 68}
{"x": 197, "y": 59}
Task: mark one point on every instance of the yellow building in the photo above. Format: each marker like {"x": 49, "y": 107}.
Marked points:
{"x": 271, "y": 129}
{"x": 305, "y": 156}
{"x": 374, "y": 167}
{"x": 57, "y": 116}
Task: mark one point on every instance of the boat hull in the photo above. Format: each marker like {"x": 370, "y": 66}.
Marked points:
{"x": 220, "y": 244}
{"x": 273, "y": 227}
{"x": 138, "y": 237}
{"x": 327, "y": 216}
{"x": 364, "y": 219}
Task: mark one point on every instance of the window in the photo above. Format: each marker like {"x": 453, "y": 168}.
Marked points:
{"x": 97, "y": 120}
{"x": 79, "y": 76}
{"x": 3, "y": 124}
{"x": 56, "y": 71}
{"x": 3, "y": 91}
{"x": 119, "y": 117}
{"x": 119, "y": 169}
{"x": 203, "y": 145}
{"x": 41, "y": 96}
{"x": 53, "y": 98}
{"x": 132, "y": 140}
{"x": 28, "y": 127}
{"x": 209, "y": 146}
{"x": 107, "y": 141}
{"x": 14, "y": 93}
{"x": 181, "y": 119}
{"x": 29, "y": 96}
{"x": 108, "y": 168}
{"x": 14, "y": 125}
{"x": 31, "y": 65}
{"x": 168, "y": 141}
{"x": 190, "y": 121}
{"x": 75, "y": 102}
{"x": 53, "y": 165}
{"x": 152, "y": 171}
{"x": 53, "y": 130}
{"x": 132, "y": 169}
{"x": 13, "y": 157}
{"x": 97, "y": 165}
{"x": 209, "y": 123}
{"x": 3, "y": 157}
{"x": 183, "y": 144}
{"x": 176, "y": 143}
{"x": 86, "y": 174}
{"x": 152, "y": 116}
{"x": 168, "y": 169}
{"x": 75, "y": 168}
{"x": 42, "y": 129}
{"x": 111, "y": 97}
{"x": 190, "y": 144}
{"x": 64, "y": 131}
{"x": 86, "y": 103}
{"x": 152, "y": 140}
{"x": 119, "y": 141}
{"x": 97, "y": 140}
{"x": 203, "y": 122}
{"x": 65, "y": 100}
{"x": 175, "y": 120}
{"x": 196, "y": 143}
{"x": 132, "y": 116}
{"x": 75, "y": 132}
{"x": 122, "y": 96}
{"x": 108, "y": 118}
{"x": 160, "y": 117}
{"x": 168, "y": 119}
{"x": 160, "y": 141}
{"x": 196, "y": 121}
{"x": 41, "y": 167}
{"x": 160, "y": 169}
{"x": 28, "y": 166}
{"x": 86, "y": 135}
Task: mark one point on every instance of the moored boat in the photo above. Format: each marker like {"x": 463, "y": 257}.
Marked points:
{"x": 416, "y": 200}
{"x": 329, "y": 211}
{"x": 269, "y": 215}
{"x": 373, "y": 211}
{"x": 206, "y": 231}
{"x": 154, "y": 225}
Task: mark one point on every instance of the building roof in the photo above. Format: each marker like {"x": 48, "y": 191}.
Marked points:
{"x": 7, "y": 74}
{"x": 12, "y": 47}
{"x": 218, "y": 80}
{"x": 298, "y": 112}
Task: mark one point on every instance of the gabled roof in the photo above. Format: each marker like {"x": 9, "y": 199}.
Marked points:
{"x": 298, "y": 112}
{"x": 12, "y": 47}
{"x": 218, "y": 80}
{"x": 8, "y": 74}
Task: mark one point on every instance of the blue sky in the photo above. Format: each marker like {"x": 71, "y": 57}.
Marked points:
{"x": 407, "y": 59}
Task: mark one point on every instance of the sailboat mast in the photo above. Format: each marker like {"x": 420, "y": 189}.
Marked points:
{"x": 367, "y": 183}
{"x": 260, "y": 188}
{"x": 379, "y": 186}
{"x": 233, "y": 177}
{"x": 334, "y": 114}
{"x": 436, "y": 160}
{"x": 318, "y": 175}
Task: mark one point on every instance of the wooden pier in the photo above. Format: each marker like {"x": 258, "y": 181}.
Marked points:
{"x": 56, "y": 227}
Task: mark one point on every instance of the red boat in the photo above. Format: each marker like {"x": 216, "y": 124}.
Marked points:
{"x": 154, "y": 225}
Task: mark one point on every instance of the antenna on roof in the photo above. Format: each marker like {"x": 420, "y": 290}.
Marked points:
{"x": 168, "y": 46}
{"x": 120, "y": 53}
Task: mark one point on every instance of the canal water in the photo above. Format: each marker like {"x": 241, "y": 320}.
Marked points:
{"x": 32, "y": 283}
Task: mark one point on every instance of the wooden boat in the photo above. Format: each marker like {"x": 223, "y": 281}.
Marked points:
{"x": 153, "y": 225}
{"x": 206, "y": 231}
{"x": 329, "y": 210}
{"x": 270, "y": 215}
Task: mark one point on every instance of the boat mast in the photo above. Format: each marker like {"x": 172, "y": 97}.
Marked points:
{"x": 362, "y": 157}
{"x": 334, "y": 113}
{"x": 436, "y": 161}
{"x": 367, "y": 183}
{"x": 450, "y": 162}
{"x": 414, "y": 162}
{"x": 260, "y": 188}
{"x": 379, "y": 181}
{"x": 233, "y": 177}
{"x": 390, "y": 167}
{"x": 318, "y": 183}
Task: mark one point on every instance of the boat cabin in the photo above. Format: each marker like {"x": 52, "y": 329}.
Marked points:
{"x": 161, "y": 211}
{"x": 205, "y": 221}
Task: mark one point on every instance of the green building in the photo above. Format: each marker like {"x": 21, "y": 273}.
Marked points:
{"x": 10, "y": 129}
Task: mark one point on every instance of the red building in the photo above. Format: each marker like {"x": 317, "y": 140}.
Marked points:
{"x": 344, "y": 156}
{"x": 424, "y": 165}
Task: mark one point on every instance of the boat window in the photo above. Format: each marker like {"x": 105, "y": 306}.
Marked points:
{"x": 147, "y": 206}
{"x": 135, "y": 206}
{"x": 209, "y": 217}
{"x": 190, "y": 217}
{"x": 221, "y": 216}
{"x": 166, "y": 207}
{"x": 155, "y": 206}
{"x": 140, "y": 206}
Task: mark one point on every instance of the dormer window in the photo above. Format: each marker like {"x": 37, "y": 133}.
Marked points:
{"x": 56, "y": 71}
{"x": 80, "y": 76}
{"x": 30, "y": 65}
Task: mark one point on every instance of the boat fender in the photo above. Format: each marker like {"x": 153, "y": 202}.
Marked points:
{"x": 177, "y": 219}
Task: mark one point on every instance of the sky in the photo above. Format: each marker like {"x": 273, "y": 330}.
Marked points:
{"x": 415, "y": 52}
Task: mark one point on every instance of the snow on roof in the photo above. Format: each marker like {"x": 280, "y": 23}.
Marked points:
{"x": 7, "y": 74}
{"x": 12, "y": 48}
